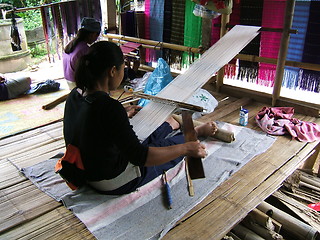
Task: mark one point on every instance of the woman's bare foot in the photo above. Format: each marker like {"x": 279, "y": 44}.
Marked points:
{"x": 207, "y": 129}
{"x": 173, "y": 123}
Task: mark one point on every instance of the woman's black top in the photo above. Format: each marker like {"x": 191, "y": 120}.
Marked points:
{"x": 99, "y": 126}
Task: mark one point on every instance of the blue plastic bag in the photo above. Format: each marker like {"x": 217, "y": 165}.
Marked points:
{"x": 159, "y": 78}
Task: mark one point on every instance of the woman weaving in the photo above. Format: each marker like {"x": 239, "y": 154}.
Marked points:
{"x": 114, "y": 160}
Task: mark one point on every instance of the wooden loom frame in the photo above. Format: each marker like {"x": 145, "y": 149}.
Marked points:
{"x": 275, "y": 99}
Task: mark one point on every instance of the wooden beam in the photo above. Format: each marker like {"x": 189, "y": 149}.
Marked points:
{"x": 253, "y": 58}
{"x": 109, "y": 14}
{"x": 225, "y": 18}
{"x": 152, "y": 42}
{"x": 306, "y": 108}
{"x": 263, "y": 29}
{"x": 40, "y": 6}
{"x": 283, "y": 50}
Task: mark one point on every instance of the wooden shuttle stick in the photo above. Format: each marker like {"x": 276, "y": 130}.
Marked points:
{"x": 170, "y": 102}
{"x": 55, "y": 102}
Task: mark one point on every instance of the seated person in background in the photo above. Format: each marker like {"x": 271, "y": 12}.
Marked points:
{"x": 87, "y": 34}
{"x": 114, "y": 159}
{"x": 12, "y": 88}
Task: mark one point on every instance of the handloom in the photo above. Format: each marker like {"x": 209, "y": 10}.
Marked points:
{"x": 183, "y": 86}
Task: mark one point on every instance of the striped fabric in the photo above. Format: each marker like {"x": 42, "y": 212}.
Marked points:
{"x": 192, "y": 33}
{"x": 273, "y": 17}
{"x": 296, "y": 44}
{"x": 250, "y": 13}
{"x": 177, "y": 31}
{"x": 154, "y": 11}
{"x": 310, "y": 80}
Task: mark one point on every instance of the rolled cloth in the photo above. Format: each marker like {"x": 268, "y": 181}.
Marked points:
{"x": 221, "y": 134}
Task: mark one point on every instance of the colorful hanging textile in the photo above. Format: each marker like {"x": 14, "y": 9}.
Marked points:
{"x": 58, "y": 31}
{"x": 129, "y": 23}
{"x": 70, "y": 18}
{"x": 167, "y": 19}
{"x": 89, "y": 8}
{"x": 177, "y": 31}
{"x": 272, "y": 17}
{"x": 250, "y": 14}
{"x": 296, "y": 43}
{"x": 47, "y": 29}
{"x": 147, "y": 26}
{"x": 310, "y": 80}
{"x": 230, "y": 68}
{"x": 192, "y": 33}
{"x": 156, "y": 13}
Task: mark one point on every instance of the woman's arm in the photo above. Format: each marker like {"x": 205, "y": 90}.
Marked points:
{"x": 160, "y": 155}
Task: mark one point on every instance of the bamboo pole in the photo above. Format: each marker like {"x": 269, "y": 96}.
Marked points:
{"x": 252, "y": 58}
{"x": 263, "y": 29}
{"x": 299, "y": 229}
{"x": 142, "y": 45}
{"x": 264, "y": 220}
{"x": 40, "y": 6}
{"x": 152, "y": 42}
{"x": 245, "y": 233}
{"x": 283, "y": 50}
{"x": 225, "y": 18}
{"x": 55, "y": 102}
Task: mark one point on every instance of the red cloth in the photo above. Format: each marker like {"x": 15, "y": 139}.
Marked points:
{"x": 129, "y": 47}
{"x": 279, "y": 121}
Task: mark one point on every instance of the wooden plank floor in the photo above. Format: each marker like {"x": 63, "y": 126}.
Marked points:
{"x": 27, "y": 213}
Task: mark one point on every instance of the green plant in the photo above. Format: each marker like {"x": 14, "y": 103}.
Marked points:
{"x": 32, "y": 19}
{"x": 38, "y": 51}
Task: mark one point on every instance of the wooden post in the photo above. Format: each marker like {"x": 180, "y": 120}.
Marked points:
{"x": 108, "y": 11}
{"x": 283, "y": 50}
{"x": 225, "y": 18}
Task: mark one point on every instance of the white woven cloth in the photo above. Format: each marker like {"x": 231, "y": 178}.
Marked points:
{"x": 184, "y": 85}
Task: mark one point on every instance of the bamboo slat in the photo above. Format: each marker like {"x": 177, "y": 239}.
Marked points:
{"x": 225, "y": 206}
{"x": 312, "y": 217}
{"x": 225, "y": 210}
{"x": 50, "y": 130}
{"x": 59, "y": 223}
{"x": 218, "y": 113}
{"x": 9, "y": 174}
{"x": 36, "y": 153}
{"x": 22, "y": 202}
{"x": 226, "y": 199}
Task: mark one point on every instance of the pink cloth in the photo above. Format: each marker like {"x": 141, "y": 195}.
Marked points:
{"x": 279, "y": 121}
{"x": 272, "y": 17}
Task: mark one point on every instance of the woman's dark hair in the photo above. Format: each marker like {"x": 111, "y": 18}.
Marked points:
{"x": 92, "y": 67}
{"x": 82, "y": 35}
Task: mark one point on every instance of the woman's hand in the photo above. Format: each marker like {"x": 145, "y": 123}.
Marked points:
{"x": 2, "y": 78}
{"x": 196, "y": 149}
{"x": 132, "y": 110}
